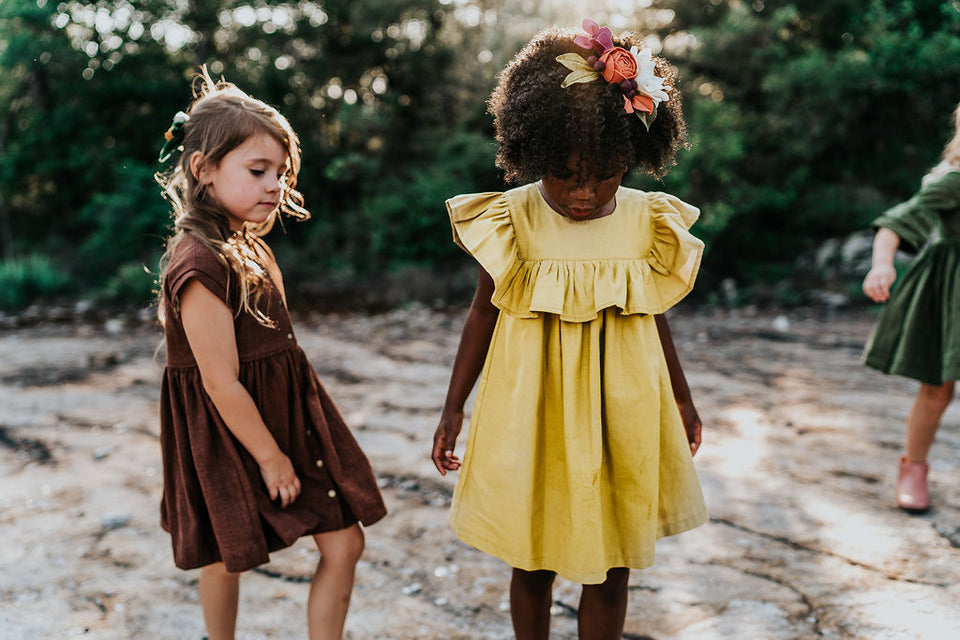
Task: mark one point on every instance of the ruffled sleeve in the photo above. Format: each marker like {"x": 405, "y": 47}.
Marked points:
{"x": 649, "y": 282}
{"x": 917, "y": 218}
{"x": 675, "y": 254}
{"x": 482, "y": 227}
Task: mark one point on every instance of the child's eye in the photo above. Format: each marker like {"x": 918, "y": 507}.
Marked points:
{"x": 257, "y": 172}
{"x": 616, "y": 173}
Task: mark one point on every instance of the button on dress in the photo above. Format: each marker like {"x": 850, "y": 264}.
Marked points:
{"x": 576, "y": 458}
{"x": 215, "y": 505}
{"x": 917, "y": 334}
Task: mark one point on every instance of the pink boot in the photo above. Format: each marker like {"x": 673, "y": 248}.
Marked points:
{"x": 912, "y": 493}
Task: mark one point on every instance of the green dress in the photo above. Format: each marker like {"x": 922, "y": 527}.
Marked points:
{"x": 918, "y": 332}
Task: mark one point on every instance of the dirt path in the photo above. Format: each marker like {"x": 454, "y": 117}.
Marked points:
{"x": 797, "y": 465}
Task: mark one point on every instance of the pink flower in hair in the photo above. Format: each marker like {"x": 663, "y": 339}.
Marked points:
{"x": 597, "y": 38}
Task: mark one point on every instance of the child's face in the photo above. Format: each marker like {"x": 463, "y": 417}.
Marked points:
{"x": 247, "y": 181}
{"x": 580, "y": 196}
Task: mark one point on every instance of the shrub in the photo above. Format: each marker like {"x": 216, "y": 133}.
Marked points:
{"x": 26, "y": 280}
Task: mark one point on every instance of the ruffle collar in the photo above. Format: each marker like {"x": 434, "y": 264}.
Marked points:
{"x": 578, "y": 290}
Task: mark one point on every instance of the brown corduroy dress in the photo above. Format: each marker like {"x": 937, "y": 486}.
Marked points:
{"x": 215, "y": 505}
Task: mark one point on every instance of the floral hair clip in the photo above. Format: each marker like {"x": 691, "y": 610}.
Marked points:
{"x": 173, "y": 136}
{"x": 632, "y": 71}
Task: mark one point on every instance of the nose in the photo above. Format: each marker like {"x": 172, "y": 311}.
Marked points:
{"x": 274, "y": 186}
{"x": 584, "y": 190}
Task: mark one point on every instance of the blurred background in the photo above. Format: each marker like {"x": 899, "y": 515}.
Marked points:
{"x": 807, "y": 119}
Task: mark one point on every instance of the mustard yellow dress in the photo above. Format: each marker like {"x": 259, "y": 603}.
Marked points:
{"x": 576, "y": 458}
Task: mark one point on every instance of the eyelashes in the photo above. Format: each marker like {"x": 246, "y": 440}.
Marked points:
{"x": 259, "y": 172}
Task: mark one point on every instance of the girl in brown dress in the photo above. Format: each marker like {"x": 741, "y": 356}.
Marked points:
{"x": 255, "y": 454}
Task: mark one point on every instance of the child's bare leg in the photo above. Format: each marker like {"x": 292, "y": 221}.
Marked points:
{"x": 603, "y": 607}
{"x": 219, "y": 592}
{"x": 932, "y": 401}
{"x": 531, "y": 593}
{"x": 333, "y": 582}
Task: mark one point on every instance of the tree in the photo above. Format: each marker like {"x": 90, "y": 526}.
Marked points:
{"x": 827, "y": 112}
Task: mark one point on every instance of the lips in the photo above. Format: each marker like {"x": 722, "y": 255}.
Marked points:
{"x": 580, "y": 212}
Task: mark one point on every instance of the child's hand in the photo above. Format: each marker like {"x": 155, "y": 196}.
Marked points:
{"x": 691, "y": 424}
{"x": 878, "y": 282}
{"x": 444, "y": 441}
{"x": 281, "y": 480}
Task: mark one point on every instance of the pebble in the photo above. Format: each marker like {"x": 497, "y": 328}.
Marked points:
{"x": 102, "y": 452}
{"x": 114, "y": 325}
{"x": 115, "y": 521}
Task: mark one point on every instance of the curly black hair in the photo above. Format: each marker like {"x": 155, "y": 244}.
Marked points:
{"x": 539, "y": 124}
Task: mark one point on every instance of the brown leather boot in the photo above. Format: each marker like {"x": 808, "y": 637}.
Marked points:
{"x": 912, "y": 492}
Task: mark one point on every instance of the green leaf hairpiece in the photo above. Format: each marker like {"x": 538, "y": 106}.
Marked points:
{"x": 173, "y": 136}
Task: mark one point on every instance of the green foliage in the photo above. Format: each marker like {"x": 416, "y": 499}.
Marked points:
{"x": 407, "y": 218}
{"x": 836, "y": 109}
{"x": 807, "y": 118}
{"x": 132, "y": 283}
{"x": 122, "y": 225}
{"x": 25, "y": 280}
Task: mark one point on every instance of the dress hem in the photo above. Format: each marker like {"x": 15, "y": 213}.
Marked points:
{"x": 641, "y": 561}
{"x": 950, "y": 374}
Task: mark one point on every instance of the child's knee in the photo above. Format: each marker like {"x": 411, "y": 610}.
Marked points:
{"x": 940, "y": 394}
{"x": 218, "y": 571}
{"x": 341, "y": 547}
{"x": 614, "y": 588}
{"x": 534, "y": 579}
{"x": 356, "y": 542}
{"x": 617, "y": 579}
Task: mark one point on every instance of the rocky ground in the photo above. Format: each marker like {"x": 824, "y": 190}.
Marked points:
{"x": 797, "y": 465}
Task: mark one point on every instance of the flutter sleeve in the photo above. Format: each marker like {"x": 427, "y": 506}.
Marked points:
{"x": 675, "y": 253}
{"x": 483, "y": 227}
{"x": 917, "y": 218}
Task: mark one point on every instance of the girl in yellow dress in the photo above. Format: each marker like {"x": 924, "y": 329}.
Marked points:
{"x": 579, "y": 455}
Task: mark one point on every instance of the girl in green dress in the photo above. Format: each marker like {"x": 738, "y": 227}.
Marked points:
{"x": 578, "y": 456}
{"x": 918, "y": 331}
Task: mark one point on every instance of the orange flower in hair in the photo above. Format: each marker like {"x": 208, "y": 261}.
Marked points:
{"x": 618, "y": 65}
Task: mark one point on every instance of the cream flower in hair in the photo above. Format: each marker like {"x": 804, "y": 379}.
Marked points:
{"x": 648, "y": 83}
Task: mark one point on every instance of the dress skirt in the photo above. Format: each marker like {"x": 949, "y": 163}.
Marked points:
{"x": 918, "y": 331}
{"x": 581, "y": 466}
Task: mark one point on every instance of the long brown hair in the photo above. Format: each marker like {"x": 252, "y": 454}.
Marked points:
{"x": 220, "y": 119}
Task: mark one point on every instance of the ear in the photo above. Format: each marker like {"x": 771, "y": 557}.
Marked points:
{"x": 196, "y": 165}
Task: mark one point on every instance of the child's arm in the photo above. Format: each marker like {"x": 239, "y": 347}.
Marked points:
{"x": 681, "y": 392}
{"x": 879, "y": 279}
{"x": 208, "y": 324}
{"x": 474, "y": 342}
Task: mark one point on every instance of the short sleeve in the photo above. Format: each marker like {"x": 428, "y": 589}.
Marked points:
{"x": 192, "y": 259}
{"x": 916, "y": 219}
